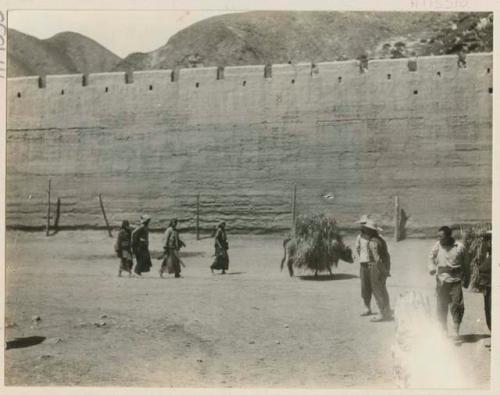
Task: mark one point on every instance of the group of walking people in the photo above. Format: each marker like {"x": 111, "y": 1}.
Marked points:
{"x": 132, "y": 243}
{"x": 448, "y": 263}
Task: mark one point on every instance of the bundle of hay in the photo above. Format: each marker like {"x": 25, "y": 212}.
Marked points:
{"x": 474, "y": 242}
{"x": 314, "y": 236}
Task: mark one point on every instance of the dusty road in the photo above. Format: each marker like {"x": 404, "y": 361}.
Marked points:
{"x": 254, "y": 327}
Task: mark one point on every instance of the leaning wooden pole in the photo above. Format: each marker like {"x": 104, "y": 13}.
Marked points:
{"x": 198, "y": 217}
{"x": 397, "y": 221}
{"x": 47, "y": 230}
{"x": 294, "y": 207}
{"x": 104, "y": 215}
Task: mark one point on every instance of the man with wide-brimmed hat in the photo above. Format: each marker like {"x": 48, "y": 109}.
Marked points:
{"x": 448, "y": 262}
{"x": 361, "y": 248}
{"x": 140, "y": 246}
{"x": 379, "y": 266}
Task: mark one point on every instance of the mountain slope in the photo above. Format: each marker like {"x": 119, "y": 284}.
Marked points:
{"x": 281, "y": 36}
{"x": 63, "y": 53}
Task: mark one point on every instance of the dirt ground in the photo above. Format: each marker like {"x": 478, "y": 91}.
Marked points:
{"x": 253, "y": 327}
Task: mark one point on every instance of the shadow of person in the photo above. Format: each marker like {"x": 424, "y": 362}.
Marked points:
{"x": 327, "y": 277}
{"x": 473, "y": 338}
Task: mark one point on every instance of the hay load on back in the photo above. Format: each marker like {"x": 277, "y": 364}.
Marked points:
{"x": 316, "y": 245}
{"x": 476, "y": 246}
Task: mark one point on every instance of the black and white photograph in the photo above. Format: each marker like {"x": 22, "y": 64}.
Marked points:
{"x": 249, "y": 197}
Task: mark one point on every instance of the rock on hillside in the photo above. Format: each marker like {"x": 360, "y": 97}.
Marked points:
{"x": 63, "y": 53}
{"x": 281, "y": 36}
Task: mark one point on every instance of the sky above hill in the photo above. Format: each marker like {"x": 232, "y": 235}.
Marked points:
{"x": 122, "y": 32}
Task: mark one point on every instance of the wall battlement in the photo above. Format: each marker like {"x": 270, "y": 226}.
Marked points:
{"x": 377, "y": 68}
{"x": 149, "y": 141}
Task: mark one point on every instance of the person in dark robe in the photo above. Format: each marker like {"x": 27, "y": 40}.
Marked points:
{"x": 484, "y": 283}
{"x": 123, "y": 248}
{"x": 171, "y": 261}
{"x": 140, "y": 246}
{"x": 221, "y": 261}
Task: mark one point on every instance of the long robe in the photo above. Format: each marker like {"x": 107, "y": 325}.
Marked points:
{"x": 171, "y": 262}
{"x": 123, "y": 248}
{"x": 140, "y": 247}
{"x": 221, "y": 261}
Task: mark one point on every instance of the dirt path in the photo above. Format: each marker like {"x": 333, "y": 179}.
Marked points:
{"x": 252, "y": 327}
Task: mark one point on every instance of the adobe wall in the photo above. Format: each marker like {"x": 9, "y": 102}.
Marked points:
{"x": 149, "y": 142}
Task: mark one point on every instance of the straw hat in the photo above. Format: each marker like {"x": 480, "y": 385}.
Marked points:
{"x": 371, "y": 224}
{"x": 145, "y": 218}
{"x": 364, "y": 218}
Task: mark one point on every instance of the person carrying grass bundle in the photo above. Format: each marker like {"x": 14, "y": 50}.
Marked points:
{"x": 448, "y": 262}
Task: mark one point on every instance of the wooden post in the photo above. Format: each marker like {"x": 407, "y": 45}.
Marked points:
{"x": 294, "y": 207}
{"x": 198, "y": 217}
{"x": 58, "y": 214}
{"x": 104, "y": 215}
{"x": 48, "y": 212}
{"x": 397, "y": 212}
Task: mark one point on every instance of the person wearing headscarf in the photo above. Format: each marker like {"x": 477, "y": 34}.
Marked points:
{"x": 123, "y": 248}
{"x": 221, "y": 261}
{"x": 172, "y": 244}
{"x": 140, "y": 246}
{"x": 379, "y": 267}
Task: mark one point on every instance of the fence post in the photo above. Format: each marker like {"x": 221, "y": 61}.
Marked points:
{"x": 48, "y": 211}
{"x": 396, "y": 218}
{"x": 58, "y": 214}
{"x": 294, "y": 206}
{"x": 198, "y": 217}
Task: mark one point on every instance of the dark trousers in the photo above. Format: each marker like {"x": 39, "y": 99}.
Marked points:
{"x": 366, "y": 285}
{"x": 379, "y": 290}
{"x": 450, "y": 295}
{"x": 487, "y": 306}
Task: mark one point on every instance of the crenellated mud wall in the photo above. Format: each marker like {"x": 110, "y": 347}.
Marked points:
{"x": 241, "y": 137}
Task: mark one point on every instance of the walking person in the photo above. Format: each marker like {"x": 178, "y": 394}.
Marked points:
{"x": 448, "y": 262}
{"x": 123, "y": 248}
{"x": 361, "y": 247}
{"x": 484, "y": 281}
{"x": 140, "y": 246}
{"x": 379, "y": 267}
{"x": 221, "y": 261}
{"x": 171, "y": 261}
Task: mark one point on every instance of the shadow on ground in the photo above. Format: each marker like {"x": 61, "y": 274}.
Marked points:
{"x": 23, "y": 342}
{"x": 327, "y": 277}
{"x": 473, "y": 338}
